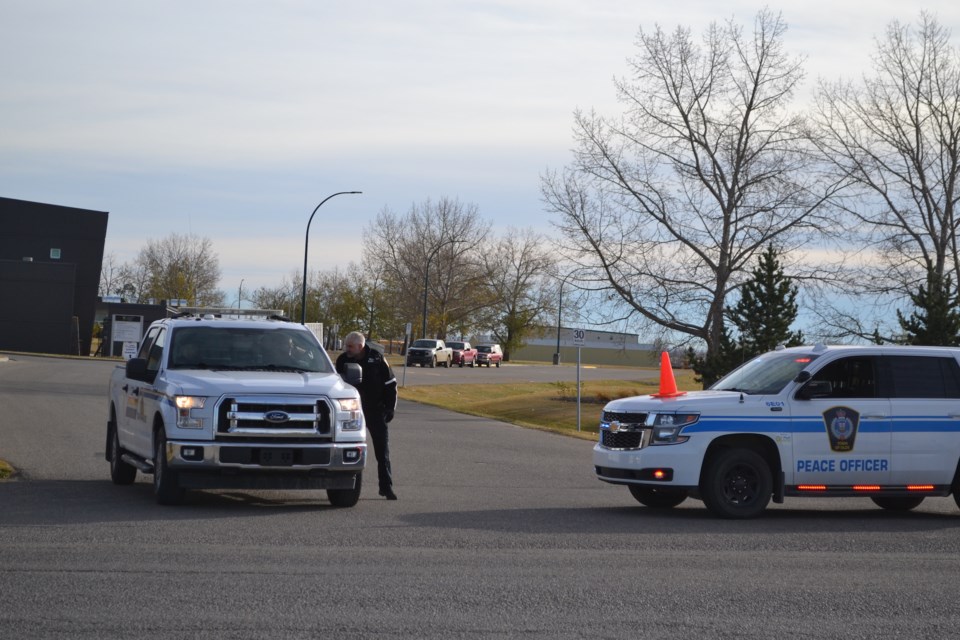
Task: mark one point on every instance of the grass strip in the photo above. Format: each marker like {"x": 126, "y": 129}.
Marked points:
{"x": 549, "y": 406}
{"x": 6, "y": 470}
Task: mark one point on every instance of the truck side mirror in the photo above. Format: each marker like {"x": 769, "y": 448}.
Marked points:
{"x": 352, "y": 374}
{"x": 137, "y": 369}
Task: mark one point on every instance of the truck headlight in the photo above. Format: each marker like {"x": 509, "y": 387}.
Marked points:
{"x": 353, "y": 420}
{"x": 185, "y": 406}
{"x": 667, "y": 427}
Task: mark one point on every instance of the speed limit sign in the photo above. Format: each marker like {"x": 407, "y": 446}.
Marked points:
{"x": 578, "y": 335}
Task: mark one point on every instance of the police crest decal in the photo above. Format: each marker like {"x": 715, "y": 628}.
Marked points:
{"x": 841, "y": 423}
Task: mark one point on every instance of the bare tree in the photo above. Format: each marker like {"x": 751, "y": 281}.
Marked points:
{"x": 894, "y": 139}
{"x": 668, "y": 206}
{"x": 437, "y": 245}
{"x": 111, "y": 276}
{"x": 519, "y": 271}
{"x": 181, "y": 267}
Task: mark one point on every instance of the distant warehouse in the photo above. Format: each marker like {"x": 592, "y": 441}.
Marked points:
{"x": 599, "y": 347}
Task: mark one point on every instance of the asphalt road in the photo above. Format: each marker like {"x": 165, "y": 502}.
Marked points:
{"x": 500, "y": 532}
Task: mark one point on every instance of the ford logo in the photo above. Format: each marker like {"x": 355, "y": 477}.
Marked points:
{"x": 276, "y": 417}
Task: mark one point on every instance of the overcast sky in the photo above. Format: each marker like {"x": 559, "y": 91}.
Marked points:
{"x": 233, "y": 119}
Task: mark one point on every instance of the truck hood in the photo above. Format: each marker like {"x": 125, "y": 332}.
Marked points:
{"x": 218, "y": 383}
{"x": 694, "y": 401}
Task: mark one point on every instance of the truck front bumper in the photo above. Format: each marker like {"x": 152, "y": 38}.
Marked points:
{"x": 252, "y": 465}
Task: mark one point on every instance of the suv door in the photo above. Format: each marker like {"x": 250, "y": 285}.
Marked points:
{"x": 842, "y": 434}
{"x": 925, "y": 399}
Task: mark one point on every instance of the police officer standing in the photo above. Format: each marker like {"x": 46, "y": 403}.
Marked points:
{"x": 378, "y": 397}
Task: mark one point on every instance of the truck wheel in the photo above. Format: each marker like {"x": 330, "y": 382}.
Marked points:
{"x": 498, "y": 364}
{"x": 166, "y": 488}
{"x": 736, "y": 484}
{"x": 898, "y": 503}
{"x": 461, "y": 363}
{"x": 657, "y": 497}
{"x": 346, "y": 497}
{"x": 120, "y": 471}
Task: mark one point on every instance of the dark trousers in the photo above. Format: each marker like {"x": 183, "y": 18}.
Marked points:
{"x": 378, "y": 433}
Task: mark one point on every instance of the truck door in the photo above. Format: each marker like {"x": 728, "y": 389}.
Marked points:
{"x": 140, "y": 397}
{"x": 842, "y": 426}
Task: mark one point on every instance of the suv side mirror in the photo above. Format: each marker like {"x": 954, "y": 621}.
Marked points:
{"x": 815, "y": 389}
{"x": 352, "y": 374}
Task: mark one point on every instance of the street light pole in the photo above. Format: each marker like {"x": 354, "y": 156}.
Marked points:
{"x": 426, "y": 280}
{"x": 306, "y": 244}
{"x": 240, "y": 294}
{"x": 563, "y": 281}
{"x": 556, "y": 356}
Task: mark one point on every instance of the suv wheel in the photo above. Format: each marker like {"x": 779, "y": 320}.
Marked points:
{"x": 736, "y": 484}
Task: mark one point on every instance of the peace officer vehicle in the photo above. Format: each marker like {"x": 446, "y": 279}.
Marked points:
{"x": 247, "y": 403}
{"x": 876, "y": 421}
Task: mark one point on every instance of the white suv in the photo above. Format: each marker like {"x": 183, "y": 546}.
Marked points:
{"x": 876, "y": 421}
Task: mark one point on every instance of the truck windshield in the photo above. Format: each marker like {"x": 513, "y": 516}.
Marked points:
{"x": 207, "y": 347}
{"x": 455, "y": 345}
{"x": 430, "y": 344}
{"x": 766, "y": 374}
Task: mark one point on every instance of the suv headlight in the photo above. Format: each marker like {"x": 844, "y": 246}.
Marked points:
{"x": 667, "y": 427}
{"x": 185, "y": 406}
{"x": 353, "y": 420}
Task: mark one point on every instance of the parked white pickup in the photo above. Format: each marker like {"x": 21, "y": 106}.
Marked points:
{"x": 243, "y": 404}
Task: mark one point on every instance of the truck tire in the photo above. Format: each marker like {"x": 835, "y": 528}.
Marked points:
{"x": 120, "y": 472}
{"x": 657, "y": 497}
{"x": 736, "y": 484}
{"x": 461, "y": 362}
{"x": 166, "y": 487}
{"x": 346, "y": 497}
{"x": 498, "y": 364}
{"x": 897, "y": 503}
{"x": 433, "y": 363}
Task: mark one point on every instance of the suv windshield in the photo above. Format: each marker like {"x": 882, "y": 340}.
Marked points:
{"x": 207, "y": 347}
{"x": 766, "y": 374}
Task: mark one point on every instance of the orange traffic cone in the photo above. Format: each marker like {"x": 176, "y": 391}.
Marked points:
{"x": 668, "y": 386}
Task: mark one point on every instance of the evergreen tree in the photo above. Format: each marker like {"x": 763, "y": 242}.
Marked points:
{"x": 762, "y": 317}
{"x": 936, "y": 321}
{"x": 767, "y": 308}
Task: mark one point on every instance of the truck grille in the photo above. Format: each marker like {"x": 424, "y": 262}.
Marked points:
{"x": 272, "y": 416}
{"x": 622, "y": 430}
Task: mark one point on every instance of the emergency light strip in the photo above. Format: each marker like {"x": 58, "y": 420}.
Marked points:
{"x": 864, "y": 487}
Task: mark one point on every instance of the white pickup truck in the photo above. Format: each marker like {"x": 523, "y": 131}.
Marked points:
{"x": 251, "y": 403}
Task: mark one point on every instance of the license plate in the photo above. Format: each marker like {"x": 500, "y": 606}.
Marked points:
{"x": 276, "y": 457}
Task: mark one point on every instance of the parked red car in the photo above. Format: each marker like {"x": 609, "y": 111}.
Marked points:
{"x": 488, "y": 354}
{"x": 463, "y": 353}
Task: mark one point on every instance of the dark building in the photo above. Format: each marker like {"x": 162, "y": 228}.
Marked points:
{"x": 50, "y": 259}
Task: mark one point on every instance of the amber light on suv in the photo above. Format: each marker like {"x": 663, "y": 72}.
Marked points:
{"x": 667, "y": 427}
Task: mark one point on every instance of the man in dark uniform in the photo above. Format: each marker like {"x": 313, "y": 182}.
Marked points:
{"x": 378, "y": 397}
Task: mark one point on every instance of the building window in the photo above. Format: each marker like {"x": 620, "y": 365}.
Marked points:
{"x": 54, "y": 254}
